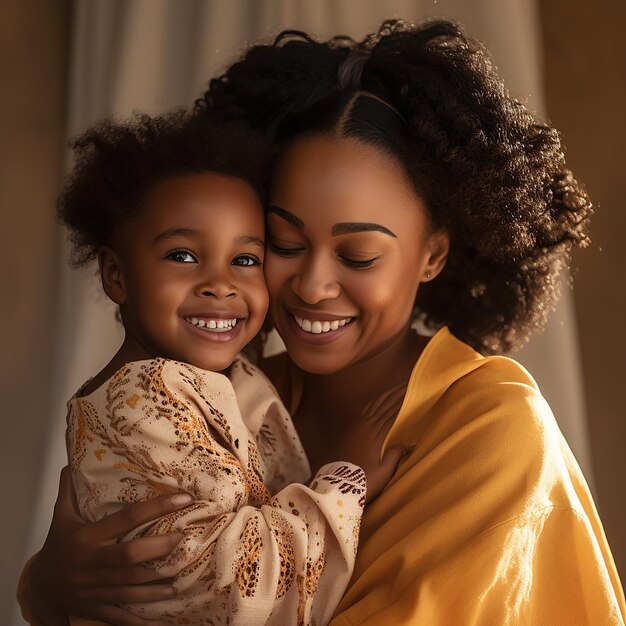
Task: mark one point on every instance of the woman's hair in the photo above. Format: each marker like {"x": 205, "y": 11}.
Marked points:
{"x": 490, "y": 174}
{"x": 117, "y": 164}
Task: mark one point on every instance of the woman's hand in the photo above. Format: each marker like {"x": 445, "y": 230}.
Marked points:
{"x": 364, "y": 438}
{"x": 84, "y": 571}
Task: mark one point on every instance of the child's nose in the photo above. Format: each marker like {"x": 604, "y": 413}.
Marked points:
{"x": 217, "y": 288}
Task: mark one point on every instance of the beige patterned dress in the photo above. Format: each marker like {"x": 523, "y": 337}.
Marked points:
{"x": 260, "y": 546}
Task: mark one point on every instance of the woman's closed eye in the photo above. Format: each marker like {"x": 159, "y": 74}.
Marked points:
{"x": 283, "y": 249}
{"x": 357, "y": 263}
{"x": 181, "y": 256}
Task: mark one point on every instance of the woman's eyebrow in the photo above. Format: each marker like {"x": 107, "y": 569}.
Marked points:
{"x": 338, "y": 229}
{"x": 294, "y": 220}
{"x": 360, "y": 227}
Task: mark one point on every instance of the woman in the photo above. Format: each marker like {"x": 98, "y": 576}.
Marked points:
{"x": 411, "y": 186}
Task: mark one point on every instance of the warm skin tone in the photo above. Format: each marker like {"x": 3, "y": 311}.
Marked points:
{"x": 189, "y": 262}
{"x": 348, "y": 239}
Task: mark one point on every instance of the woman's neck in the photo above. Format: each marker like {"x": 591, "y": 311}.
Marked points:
{"x": 344, "y": 394}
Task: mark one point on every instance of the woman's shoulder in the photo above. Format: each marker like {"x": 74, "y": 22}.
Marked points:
{"x": 447, "y": 360}
{"x": 456, "y": 393}
{"x": 449, "y": 369}
{"x": 483, "y": 421}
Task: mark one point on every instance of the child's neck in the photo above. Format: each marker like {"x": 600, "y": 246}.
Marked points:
{"x": 130, "y": 350}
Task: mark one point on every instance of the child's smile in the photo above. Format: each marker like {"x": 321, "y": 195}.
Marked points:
{"x": 215, "y": 328}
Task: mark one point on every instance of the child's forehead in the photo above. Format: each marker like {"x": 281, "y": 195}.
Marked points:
{"x": 205, "y": 191}
{"x": 206, "y": 185}
{"x": 201, "y": 203}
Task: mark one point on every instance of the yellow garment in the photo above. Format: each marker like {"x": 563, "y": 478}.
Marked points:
{"x": 489, "y": 521}
{"x": 259, "y": 546}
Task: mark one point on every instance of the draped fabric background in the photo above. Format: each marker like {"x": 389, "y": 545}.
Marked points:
{"x": 151, "y": 55}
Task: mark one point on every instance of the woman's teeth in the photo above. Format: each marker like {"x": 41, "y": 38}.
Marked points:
{"x": 316, "y": 327}
{"x": 213, "y": 324}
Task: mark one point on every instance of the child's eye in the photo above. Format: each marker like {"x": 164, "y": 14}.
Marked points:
{"x": 246, "y": 260}
{"x": 181, "y": 256}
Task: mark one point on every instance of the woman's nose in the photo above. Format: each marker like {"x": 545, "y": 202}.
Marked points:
{"x": 316, "y": 281}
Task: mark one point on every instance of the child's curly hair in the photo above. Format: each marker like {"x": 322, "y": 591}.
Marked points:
{"x": 117, "y": 164}
{"x": 491, "y": 175}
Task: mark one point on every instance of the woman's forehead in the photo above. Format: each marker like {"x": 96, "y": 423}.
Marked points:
{"x": 342, "y": 176}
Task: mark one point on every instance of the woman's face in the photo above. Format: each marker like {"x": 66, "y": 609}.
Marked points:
{"x": 349, "y": 243}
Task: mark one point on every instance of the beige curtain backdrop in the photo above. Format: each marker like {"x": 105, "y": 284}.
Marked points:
{"x": 151, "y": 55}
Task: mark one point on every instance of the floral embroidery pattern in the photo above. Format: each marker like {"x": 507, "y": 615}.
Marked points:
{"x": 160, "y": 426}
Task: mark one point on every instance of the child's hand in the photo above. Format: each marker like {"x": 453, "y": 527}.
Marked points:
{"x": 365, "y": 437}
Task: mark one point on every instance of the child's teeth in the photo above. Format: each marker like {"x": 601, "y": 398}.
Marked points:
{"x": 222, "y": 324}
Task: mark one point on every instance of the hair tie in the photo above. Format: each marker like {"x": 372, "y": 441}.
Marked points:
{"x": 350, "y": 71}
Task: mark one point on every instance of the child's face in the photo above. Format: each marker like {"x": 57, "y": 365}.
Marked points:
{"x": 191, "y": 283}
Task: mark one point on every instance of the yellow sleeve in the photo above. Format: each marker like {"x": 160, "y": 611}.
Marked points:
{"x": 247, "y": 556}
{"x": 542, "y": 569}
{"x": 488, "y": 521}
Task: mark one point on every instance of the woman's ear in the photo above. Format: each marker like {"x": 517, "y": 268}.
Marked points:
{"x": 111, "y": 275}
{"x": 438, "y": 246}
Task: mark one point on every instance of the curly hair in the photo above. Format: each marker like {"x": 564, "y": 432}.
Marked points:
{"x": 117, "y": 164}
{"x": 490, "y": 174}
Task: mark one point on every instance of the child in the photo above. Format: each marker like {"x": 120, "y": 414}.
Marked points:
{"x": 172, "y": 208}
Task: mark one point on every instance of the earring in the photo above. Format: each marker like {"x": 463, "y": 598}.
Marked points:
{"x": 428, "y": 275}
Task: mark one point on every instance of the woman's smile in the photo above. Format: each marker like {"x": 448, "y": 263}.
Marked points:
{"x": 319, "y": 328}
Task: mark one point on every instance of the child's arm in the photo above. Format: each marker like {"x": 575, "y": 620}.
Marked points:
{"x": 246, "y": 555}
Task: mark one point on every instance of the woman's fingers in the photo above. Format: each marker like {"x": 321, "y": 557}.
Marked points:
{"x": 125, "y": 594}
{"x": 392, "y": 398}
{"x": 132, "y": 516}
{"x": 384, "y": 424}
{"x": 385, "y": 418}
{"x": 108, "y": 614}
{"x": 65, "y": 508}
{"x": 137, "y": 551}
{"x": 116, "y": 576}
{"x": 392, "y": 457}
{"x": 394, "y": 454}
